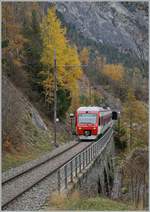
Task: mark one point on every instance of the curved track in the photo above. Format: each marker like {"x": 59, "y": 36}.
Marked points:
{"x": 15, "y": 186}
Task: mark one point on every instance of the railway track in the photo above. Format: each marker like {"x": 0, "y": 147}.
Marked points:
{"x": 14, "y": 186}
{"x": 17, "y": 174}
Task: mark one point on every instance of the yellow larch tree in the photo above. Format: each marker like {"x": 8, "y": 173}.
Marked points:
{"x": 68, "y": 63}
{"x": 84, "y": 56}
{"x": 114, "y": 71}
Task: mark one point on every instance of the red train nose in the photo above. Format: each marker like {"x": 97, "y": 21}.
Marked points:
{"x": 87, "y": 131}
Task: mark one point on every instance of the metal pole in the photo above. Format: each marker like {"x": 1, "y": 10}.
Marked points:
{"x": 65, "y": 169}
{"x": 58, "y": 178}
{"x": 80, "y": 162}
{"x": 76, "y": 167}
{"x": 55, "y": 97}
{"x": 83, "y": 160}
{"x": 71, "y": 168}
{"x": 90, "y": 93}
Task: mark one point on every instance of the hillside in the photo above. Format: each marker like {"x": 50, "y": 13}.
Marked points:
{"x": 119, "y": 25}
{"x": 87, "y": 53}
{"x": 23, "y": 127}
{"x": 26, "y": 134}
{"x": 116, "y": 33}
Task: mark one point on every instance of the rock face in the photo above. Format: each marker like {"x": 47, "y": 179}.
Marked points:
{"x": 37, "y": 120}
{"x": 121, "y": 25}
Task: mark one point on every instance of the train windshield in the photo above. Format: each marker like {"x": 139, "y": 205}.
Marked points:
{"x": 87, "y": 118}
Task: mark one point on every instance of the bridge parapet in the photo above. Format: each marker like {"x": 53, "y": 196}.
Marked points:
{"x": 74, "y": 168}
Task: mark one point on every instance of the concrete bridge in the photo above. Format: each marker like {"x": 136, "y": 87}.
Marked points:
{"x": 90, "y": 171}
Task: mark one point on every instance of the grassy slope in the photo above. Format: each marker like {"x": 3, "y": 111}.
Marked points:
{"x": 98, "y": 204}
{"x": 33, "y": 141}
{"x": 36, "y": 143}
{"x": 75, "y": 202}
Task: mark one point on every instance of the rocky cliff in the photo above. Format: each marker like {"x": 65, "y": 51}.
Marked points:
{"x": 122, "y": 25}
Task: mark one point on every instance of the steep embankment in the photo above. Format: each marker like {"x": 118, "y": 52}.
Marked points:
{"x": 25, "y": 135}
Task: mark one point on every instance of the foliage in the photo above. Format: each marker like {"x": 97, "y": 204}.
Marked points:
{"x": 136, "y": 177}
{"x": 33, "y": 48}
{"x": 114, "y": 71}
{"x": 84, "y": 100}
{"x": 12, "y": 38}
{"x": 98, "y": 99}
{"x": 135, "y": 116}
{"x": 112, "y": 56}
{"x": 100, "y": 62}
{"x": 84, "y": 56}
{"x": 53, "y": 39}
{"x": 120, "y": 137}
{"x": 64, "y": 101}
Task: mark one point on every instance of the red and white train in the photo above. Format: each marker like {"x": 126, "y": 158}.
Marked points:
{"x": 91, "y": 122}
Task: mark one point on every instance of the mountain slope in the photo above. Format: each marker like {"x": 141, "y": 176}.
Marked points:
{"x": 114, "y": 23}
{"x": 25, "y": 134}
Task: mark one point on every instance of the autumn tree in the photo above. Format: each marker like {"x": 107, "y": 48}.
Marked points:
{"x": 33, "y": 46}
{"x": 140, "y": 89}
{"x": 84, "y": 56}
{"x": 12, "y": 38}
{"x": 135, "y": 116}
{"x": 114, "y": 71}
{"x": 100, "y": 62}
{"x": 68, "y": 64}
{"x": 98, "y": 99}
{"x": 135, "y": 177}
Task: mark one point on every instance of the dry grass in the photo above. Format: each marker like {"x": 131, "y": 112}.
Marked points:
{"x": 7, "y": 144}
{"x": 62, "y": 200}
{"x": 75, "y": 195}
{"x": 58, "y": 200}
{"x": 75, "y": 202}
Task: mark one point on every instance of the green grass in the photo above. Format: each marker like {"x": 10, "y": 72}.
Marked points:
{"x": 97, "y": 203}
{"x": 75, "y": 202}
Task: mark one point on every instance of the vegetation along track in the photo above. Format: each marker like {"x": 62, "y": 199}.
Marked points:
{"x": 18, "y": 184}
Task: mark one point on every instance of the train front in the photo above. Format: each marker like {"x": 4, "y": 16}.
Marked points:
{"x": 87, "y": 125}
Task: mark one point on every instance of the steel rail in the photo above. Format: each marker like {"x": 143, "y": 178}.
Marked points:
{"x": 47, "y": 175}
{"x": 39, "y": 180}
{"x": 37, "y": 165}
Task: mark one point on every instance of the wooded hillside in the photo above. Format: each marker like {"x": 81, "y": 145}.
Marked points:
{"x": 87, "y": 74}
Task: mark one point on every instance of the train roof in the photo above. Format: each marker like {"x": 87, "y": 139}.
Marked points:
{"x": 92, "y": 108}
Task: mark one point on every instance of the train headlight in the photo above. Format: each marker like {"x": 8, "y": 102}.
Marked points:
{"x": 94, "y": 128}
{"x": 80, "y": 128}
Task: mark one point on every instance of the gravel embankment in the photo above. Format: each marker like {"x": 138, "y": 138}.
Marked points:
{"x": 34, "y": 198}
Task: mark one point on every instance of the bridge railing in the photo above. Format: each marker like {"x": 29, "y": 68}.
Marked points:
{"x": 74, "y": 167}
